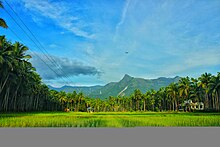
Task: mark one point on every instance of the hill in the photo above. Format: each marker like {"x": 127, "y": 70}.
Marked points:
{"x": 87, "y": 90}
{"x": 128, "y": 84}
{"x": 124, "y": 87}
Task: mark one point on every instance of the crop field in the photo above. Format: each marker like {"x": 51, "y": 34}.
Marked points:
{"x": 109, "y": 119}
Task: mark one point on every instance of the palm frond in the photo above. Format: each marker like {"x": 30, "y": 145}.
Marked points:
{"x": 3, "y": 23}
{"x": 1, "y": 6}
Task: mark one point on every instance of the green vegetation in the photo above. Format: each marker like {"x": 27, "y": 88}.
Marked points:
{"x": 108, "y": 119}
{"x": 22, "y": 90}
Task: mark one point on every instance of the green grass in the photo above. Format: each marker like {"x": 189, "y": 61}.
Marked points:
{"x": 109, "y": 119}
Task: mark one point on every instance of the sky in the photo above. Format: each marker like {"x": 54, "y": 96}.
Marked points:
{"x": 94, "y": 42}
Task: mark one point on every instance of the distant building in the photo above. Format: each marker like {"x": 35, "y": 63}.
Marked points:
{"x": 189, "y": 105}
{"x": 90, "y": 109}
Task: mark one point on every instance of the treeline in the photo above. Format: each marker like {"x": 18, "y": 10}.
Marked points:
{"x": 205, "y": 89}
{"x": 21, "y": 89}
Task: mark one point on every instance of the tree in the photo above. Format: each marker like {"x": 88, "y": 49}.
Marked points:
{"x": 21, "y": 88}
{"x": 137, "y": 98}
{"x": 161, "y": 98}
{"x": 204, "y": 81}
{"x": 196, "y": 92}
{"x": 184, "y": 89}
{"x": 214, "y": 87}
{"x": 172, "y": 91}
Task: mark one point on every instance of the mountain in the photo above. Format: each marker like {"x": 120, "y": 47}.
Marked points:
{"x": 128, "y": 84}
{"x": 84, "y": 89}
{"x": 124, "y": 87}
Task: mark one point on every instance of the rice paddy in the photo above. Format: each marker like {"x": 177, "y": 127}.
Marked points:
{"x": 110, "y": 119}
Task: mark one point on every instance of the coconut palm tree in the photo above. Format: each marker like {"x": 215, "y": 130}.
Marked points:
{"x": 5, "y": 61}
{"x": 204, "y": 81}
{"x": 137, "y": 98}
{"x": 196, "y": 92}
{"x": 214, "y": 87}
{"x": 184, "y": 89}
{"x": 172, "y": 91}
{"x": 161, "y": 98}
{"x": 21, "y": 88}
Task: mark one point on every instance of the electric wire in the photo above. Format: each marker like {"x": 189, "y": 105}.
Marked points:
{"x": 44, "y": 50}
{"x": 32, "y": 52}
{"x": 35, "y": 44}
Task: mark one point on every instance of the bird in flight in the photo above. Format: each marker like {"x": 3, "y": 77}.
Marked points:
{"x": 126, "y": 52}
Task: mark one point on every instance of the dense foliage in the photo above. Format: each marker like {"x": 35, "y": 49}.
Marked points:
{"x": 21, "y": 88}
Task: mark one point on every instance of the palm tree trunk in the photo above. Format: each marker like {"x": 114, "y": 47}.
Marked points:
{"x": 218, "y": 93}
{"x": 3, "y": 84}
{"x": 137, "y": 105}
{"x": 206, "y": 101}
{"x": 216, "y": 101}
{"x": 15, "y": 96}
{"x": 6, "y": 99}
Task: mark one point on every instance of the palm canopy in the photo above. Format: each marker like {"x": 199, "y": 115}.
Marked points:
{"x": 2, "y": 21}
{"x": 1, "y": 6}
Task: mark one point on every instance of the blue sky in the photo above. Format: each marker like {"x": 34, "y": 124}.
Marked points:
{"x": 89, "y": 38}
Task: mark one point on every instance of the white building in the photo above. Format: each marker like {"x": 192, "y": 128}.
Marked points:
{"x": 194, "y": 106}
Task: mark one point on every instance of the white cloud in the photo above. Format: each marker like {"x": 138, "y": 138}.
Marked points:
{"x": 123, "y": 16}
{"x": 58, "y": 12}
{"x": 53, "y": 46}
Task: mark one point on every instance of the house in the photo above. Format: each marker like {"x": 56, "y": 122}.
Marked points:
{"x": 189, "y": 105}
{"x": 90, "y": 109}
{"x": 198, "y": 106}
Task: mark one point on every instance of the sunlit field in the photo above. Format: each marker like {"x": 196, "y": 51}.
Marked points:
{"x": 109, "y": 119}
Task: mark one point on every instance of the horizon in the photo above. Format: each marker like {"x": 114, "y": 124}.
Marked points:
{"x": 97, "y": 42}
{"x": 109, "y": 82}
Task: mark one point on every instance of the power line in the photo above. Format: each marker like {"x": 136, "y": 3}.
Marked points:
{"x": 34, "y": 42}
{"x": 32, "y": 51}
{"x": 44, "y": 50}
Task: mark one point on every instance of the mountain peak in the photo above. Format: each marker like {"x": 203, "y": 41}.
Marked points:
{"x": 126, "y": 76}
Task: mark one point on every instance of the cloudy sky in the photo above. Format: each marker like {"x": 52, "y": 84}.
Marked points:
{"x": 90, "y": 42}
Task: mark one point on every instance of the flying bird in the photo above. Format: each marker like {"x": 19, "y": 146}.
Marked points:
{"x": 126, "y": 52}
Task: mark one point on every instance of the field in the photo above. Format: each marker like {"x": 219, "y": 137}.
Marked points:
{"x": 109, "y": 119}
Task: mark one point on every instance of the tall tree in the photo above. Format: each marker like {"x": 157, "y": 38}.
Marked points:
{"x": 173, "y": 93}
{"x": 137, "y": 98}
{"x": 184, "y": 89}
{"x": 214, "y": 87}
{"x": 204, "y": 81}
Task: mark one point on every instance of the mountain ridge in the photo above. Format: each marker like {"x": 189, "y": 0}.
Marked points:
{"x": 124, "y": 87}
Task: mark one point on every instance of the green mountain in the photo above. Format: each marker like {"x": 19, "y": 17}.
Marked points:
{"x": 124, "y": 87}
{"x": 128, "y": 84}
{"x": 84, "y": 89}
